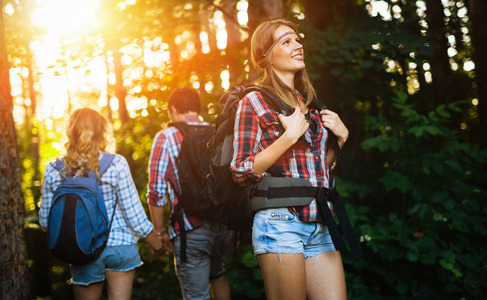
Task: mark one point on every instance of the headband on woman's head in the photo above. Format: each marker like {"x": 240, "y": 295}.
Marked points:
{"x": 277, "y": 40}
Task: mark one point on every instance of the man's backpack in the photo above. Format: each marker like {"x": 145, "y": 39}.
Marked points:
{"x": 193, "y": 165}
{"x": 78, "y": 227}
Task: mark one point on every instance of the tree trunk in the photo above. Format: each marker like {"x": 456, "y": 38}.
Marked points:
{"x": 439, "y": 60}
{"x": 14, "y": 280}
{"x": 478, "y": 15}
{"x": 34, "y": 132}
{"x": 234, "y": 47}
{"x": 261, "y": 11}
{"x": 258, "y": 12}
{"x": 320, "y": 14}
{"x": 120, "y": 91}
{"x": 109, "y": 96}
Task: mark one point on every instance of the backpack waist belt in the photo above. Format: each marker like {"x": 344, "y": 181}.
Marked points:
{"x": 273, "y": 192}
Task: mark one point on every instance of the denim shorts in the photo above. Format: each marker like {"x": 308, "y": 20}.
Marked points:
{"x": 276, "y": 230}
{"x": 206, "y": 248}
{"x": 113, "y": 258}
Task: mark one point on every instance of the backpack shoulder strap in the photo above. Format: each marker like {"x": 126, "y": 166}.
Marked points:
{"x": 105, "y": 162}
{"x": 272, "y": 99}
{"x": 316, "y": 104}
{"x": 183, "y": 127}
{"x": 59, "y": 164}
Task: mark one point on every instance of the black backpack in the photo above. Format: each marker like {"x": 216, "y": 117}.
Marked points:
{"x": 193, "y": 164}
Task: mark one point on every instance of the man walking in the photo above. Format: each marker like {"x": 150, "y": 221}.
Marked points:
{"x": 206, "y": 242}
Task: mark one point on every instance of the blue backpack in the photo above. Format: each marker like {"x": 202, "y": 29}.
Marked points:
{"x": 78, "y": 228}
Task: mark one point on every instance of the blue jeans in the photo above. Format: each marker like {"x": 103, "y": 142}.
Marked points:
{"x": 113, "y": 258}
{"x": 276, "y": 230}
{"x": 206, "y": 248}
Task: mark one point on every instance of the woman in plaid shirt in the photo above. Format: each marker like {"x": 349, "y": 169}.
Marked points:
{"x": 88, "y": 139}
{"x": 284, "y": 239}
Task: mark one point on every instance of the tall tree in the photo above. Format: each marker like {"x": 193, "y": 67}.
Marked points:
{"x": 320, "y": 14}
{"x": 14, "y": 282}
{"x": 478, "y": 15}
{"x": 439, "y": 60}
{"x": 19, "y": 34}
{"x": 120, "y": 91}
{"x": 261, "y": 11}
{"x": 234, "y": 44}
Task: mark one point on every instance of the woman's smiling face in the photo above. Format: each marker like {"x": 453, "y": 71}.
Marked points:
{"x": 287, "y": 54}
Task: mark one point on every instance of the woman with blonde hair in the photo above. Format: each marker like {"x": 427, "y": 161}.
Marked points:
{"x": 89, "y": 139}
{"x": 293, "y": 246}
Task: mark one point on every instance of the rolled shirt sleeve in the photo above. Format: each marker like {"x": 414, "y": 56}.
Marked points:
{"x": 159, "y": 164}
{"x": 247, "y": 133}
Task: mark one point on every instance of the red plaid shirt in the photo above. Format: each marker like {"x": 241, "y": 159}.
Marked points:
{"x": 256, "y": 127}
{"x": 163, "y": 172}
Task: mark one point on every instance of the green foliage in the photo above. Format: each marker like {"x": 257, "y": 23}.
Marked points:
{"x": 423, "y": 216}
{"x": 243, "y": 272}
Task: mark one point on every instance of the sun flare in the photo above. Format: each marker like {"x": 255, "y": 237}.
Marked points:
{"x": 64, "y": 16}
{"x": 63, "y": 21}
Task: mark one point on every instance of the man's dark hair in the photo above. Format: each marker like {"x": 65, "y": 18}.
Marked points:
{"x": 185, "y": 100}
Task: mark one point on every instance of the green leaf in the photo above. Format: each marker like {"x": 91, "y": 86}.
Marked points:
{"x": 395, "y": 180}
{"x": 417, "y": 130}
{"x": 250, "y": 261}
{"x": 448, "y": 263}
{"x": 454, "y": 107}
{"x": 258, "y": 274}
{"x": 437, "y": 167}
{"x": 376, "y": 142}
{"x": 432, "y": 130}
{"x": 439, "y": 196}
{"x": 402, "y": 289}
{"x": 418, "y": 193}
{"x": 413, "y": 255}
{"x": 432, "y": 116}
{"x": 442, "y": 112}
{"x": 455, "y": 166}
{"x": 402, "y": 96}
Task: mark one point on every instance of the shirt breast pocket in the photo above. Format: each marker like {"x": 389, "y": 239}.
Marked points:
{"x": 270, "y": 125}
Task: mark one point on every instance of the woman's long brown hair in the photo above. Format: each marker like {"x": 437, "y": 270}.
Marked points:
{"x": 88, "y": 133}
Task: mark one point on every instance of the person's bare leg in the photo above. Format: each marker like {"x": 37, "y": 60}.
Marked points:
{"x": 119, "y": 284}
{"x": 325, "y": 277}
{"x": 284, "y": 277}
{"x": 220, "y": 288}
{"x": 88, "y": 292}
